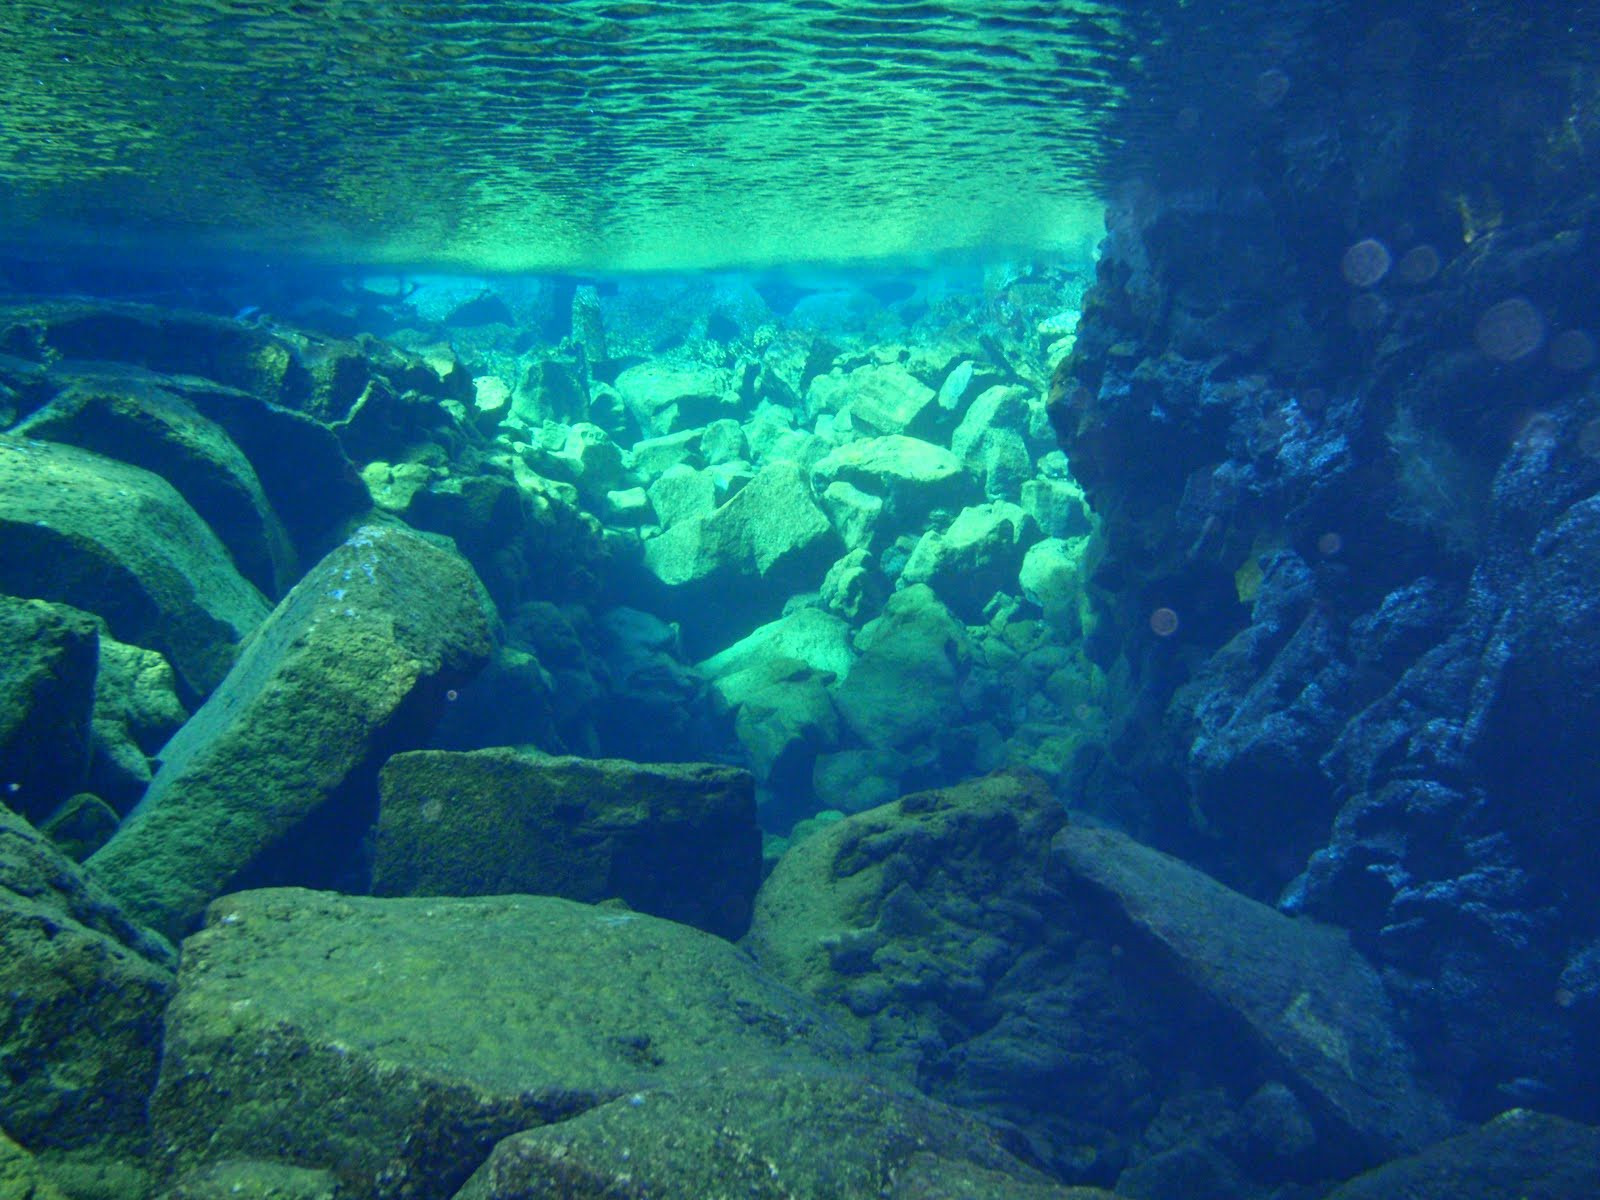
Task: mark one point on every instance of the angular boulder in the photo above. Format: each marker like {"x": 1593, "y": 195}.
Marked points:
{"x": 883, "y": 397}
{"x": 356, "y": 658}
{"x": 911, "y": 477}
{"x": 724, "y": 572}
{"x": 667, "y": 398}
{"x": 117, "y": 541}
{"x": 978, "y": 555}
{"x": 1529, "y": 1155}
{"x": 82, "y": 989}
{"x": 1295, "y": 991}
{"x": 765, "y": 1132}
{"x": 132, "y": 419}
{"x": 906, "y": 682}
{"x": 676, "y": 840}
{"x": 398, "y": 1039}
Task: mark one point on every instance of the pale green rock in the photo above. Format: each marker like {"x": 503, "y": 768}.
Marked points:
{"x": 723, "y": 441}
{"x": 628, "y": 507}
{"x": 651, "y": 456}
{"x": 906, "y": 683}
{"x": 854, "y": 587}
{"x": 682, "y": 493}
{"x": 855, "y": 780}
{"x": 818, "y": 639}
{"x": 911, "y": 476}
{"x": 883, "y": 397}
{"x": 991, "y": 441}
{"x": 854, "y": 513}
{"x": 405, "y": 1036}
{"x": 1058, "y": 505}
{"x": 115, "y": 540}
{"x": 727, "y": 571}
{"x": 668, "y": 398}
{"x": 976, "y": 557}
{"x": 1052, "y": 576}
{"x": 381, "y": 627}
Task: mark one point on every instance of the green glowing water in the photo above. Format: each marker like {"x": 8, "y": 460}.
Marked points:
{"x": 578, "y": 135}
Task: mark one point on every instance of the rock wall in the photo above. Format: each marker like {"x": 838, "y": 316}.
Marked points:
{"x": 1334, "y": 399}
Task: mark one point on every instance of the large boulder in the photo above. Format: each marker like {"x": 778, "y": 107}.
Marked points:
{"x": 354, "y": 660}
{"x": 667, "y": 398}
{"x": 676, "y": 840}
{"x": 1295, "y": 992}
{"x": 907, "y": 681}
{"x": 911, "y": 477}
{"x": 724, "y": 572}
{"x": 82, "y": 989}
{"x": 764, "y": 1132}
{"x": 978, "y": 555}
{"x": 134, "y": 420}
{"x": 398, "y": 1039}
{"x": 883, "y": 397}
{"x": 117, "y": 541}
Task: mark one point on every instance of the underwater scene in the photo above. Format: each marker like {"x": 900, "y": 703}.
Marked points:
{"x": 800, "y": 600}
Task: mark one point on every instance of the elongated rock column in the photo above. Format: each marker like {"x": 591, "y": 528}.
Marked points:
{"x": 375, "y": 632}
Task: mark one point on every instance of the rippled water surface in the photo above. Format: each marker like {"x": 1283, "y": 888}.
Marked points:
{"x": 584, "y": 134}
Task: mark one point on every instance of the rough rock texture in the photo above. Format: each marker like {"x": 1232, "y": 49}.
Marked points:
{"x": 117, "y": 541}
{"x": 396, "y": 1040}
{"x": 1312, "y": 1005}
{"x": 356, "y": 658}
{"x": 676, "y": 840}
{"x": 134, "y": 421}
{"x": 910, "y": 476}
{"x": 1524, "y": 1154}
{"x": 82, "y": 989}
{"x": 1333, "y": 396}
{"x": 665, "y": 398}
{"x": 978, "y": 555}
{"x": 885, "y": 398}
{"x": 820, "y": 1135}
{"x": 907, "y": 680}
{"x": 136, "y": 709}
{"x": 48, "y": 657}
{"x": 723, "y": 572}
{"x": 929, "y": 924}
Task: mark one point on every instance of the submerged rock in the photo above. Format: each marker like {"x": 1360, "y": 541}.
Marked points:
{"x": 907, "y": 680}
{"x": 1529, "y": 1155}
{"x": 48, "y": 658}
{"x": 397, "y": 1040}
{"x": 725, "y": 571}
{"x": 357, "y": 656}
{"x": 666, "y": 398}
{"x": 676, "y": 840}
{"x": 1297, "y": 991}
{"x": 117, "y": 541}
{"x": 822, "y": 1135}
{"x": 134, "y": 420}
{"x": 978, "y": 555}
{"x": 82, "y": 989}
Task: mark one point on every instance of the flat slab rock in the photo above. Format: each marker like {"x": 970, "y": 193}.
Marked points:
{"x": 370, "y": 638}
{"x": 822, "y": 1135}
{"x": 398, "y": 1039}
{"x": 676, "y": 840}
{"x": 1310, "y": 1003}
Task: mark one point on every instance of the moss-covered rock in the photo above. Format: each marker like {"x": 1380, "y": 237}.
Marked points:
{"x": 677, "y": 840}
{"x": 119, "y": 542}
{"x": 129, "y": 417}
{"x": 136, "y": 709}
{"x": 81, "y": 996}
{"x": 910, "y": 476}
{"x": 354, "y": 661}
{"x": 48, "y": 654}
{"x": 978, "y": 555}
{"x": 1529, "y": 1155}
{"x": 396, "y": 1040}
{"x": 766, "y": 1134}
{"x": 21, "y": 1177}
{"x": 907, "y": 681}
